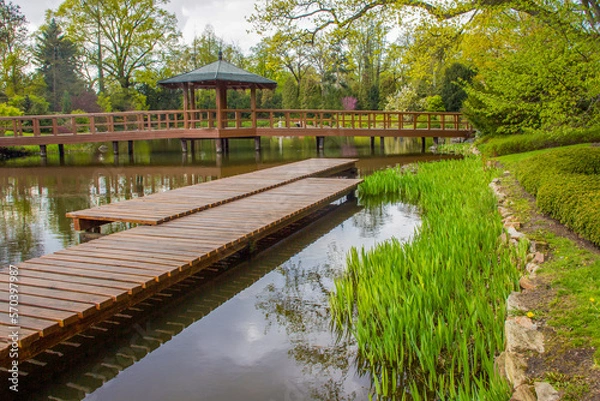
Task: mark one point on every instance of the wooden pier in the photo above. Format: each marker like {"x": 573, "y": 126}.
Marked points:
{"x": 59, "y": 295}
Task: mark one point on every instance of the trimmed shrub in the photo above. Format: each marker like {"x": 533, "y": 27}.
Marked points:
{"x": 566, "y": 184}
{"x": 506, "y": 145}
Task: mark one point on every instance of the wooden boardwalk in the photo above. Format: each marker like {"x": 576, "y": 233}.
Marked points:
{"x": 64, "y": 293}
{"x": 161, "y": 207}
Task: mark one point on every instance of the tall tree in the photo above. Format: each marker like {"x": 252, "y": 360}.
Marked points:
{"x": 13, "y": 37}
{"x": 56, "y": 57}
{"x": 120, "y": 37}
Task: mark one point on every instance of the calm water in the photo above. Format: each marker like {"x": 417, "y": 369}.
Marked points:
{"x": 261, "y": 331}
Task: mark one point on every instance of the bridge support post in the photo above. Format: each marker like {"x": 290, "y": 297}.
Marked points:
{"x": 225, "y": 145}
{"x": 372, "y": 144}
{"x": 219, "y": 145}
{"x": 436, "y": 140}
{"x": 423, "y": 144}
{"x": 183, "y": 145}
{"x": 116, "y": 148}
{"x": 130, "y": 148}
{"x": 43, "y": 151}
{"x": 382, "y": 143}
{"x": 61, "y": 151}
{"x": 192, "y": 146}
{"x": 320, "y": 143}
{"x": 257, "y": 143}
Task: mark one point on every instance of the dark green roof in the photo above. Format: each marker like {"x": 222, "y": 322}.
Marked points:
{"x": 219, "y": 71}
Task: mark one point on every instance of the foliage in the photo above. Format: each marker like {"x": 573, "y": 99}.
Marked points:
{"x": 550, "y": 77}
{"x": 433, "y": 103}
{"x": 451, "y": 91}
{"x": 119, "y": 37}
{"x": 6, "y": 110}
{"x": 121, "y": 99}
{"x": 13, "y": 36}
{"x": 566, "y": 184}
{"x": 505, "y": 145}
{"x": 428, "y": 315}
{"x": 30, "y": 104}
{"x": 56, "y": 57}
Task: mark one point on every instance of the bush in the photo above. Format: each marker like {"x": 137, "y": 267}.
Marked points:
{"x": 566, "y": 184}
{"x": 506, "y": 145}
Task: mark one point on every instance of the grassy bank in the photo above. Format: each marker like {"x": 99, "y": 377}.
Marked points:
{"x": 428, "y": 316}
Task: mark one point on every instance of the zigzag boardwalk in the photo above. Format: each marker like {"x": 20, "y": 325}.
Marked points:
{"x": 64, "y": 293}
{"x": 158, "y": 208}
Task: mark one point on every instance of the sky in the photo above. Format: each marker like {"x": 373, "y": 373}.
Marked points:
{"x": 227, "y": 17}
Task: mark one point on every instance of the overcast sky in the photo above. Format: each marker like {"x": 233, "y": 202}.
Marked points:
{"x": 226, "y": 16}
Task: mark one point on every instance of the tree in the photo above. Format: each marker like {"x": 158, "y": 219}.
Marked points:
{"x": 13, "y": 37}
{"x": 56, "y": 57}
{"x": 452, "y": 92}
{"x": 119, "y": 37}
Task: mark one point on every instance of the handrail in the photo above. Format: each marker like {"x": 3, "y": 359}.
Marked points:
{"x": 170, "y": 120}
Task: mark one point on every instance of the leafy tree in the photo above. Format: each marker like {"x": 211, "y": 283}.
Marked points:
{"x": 57, "y": 59}
{"x": 119, "y": 37}
{"x": 451, "y": 90}
{"x": 13, "y": 37}
{"x": 30, "y": 104}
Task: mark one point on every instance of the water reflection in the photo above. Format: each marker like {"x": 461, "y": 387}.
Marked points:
{"x": 260, "y": 331}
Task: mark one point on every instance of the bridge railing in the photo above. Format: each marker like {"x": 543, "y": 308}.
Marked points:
{"x": 98, "y": 123}
{"x": 387, "y": 120}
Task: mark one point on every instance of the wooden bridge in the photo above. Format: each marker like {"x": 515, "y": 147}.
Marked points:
{"x": 49, "y": 299}
{"x": 224, "y": 125}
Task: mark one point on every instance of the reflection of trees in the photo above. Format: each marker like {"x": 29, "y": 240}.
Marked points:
{"x": 300, "y": 304}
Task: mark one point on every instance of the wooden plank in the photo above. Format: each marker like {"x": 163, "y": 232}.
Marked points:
{"x": 63, "y": 318}
{"x": 82, "y": 309}
{"x": 101, "y": 301}
{"x": 117, "y": 295}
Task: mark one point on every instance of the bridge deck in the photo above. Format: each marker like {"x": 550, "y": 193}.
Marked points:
{"x": 63, "y": 293}
{"x": 161, "y": 207}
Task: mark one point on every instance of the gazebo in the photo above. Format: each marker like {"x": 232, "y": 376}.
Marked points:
{"x": 221, "y": 76}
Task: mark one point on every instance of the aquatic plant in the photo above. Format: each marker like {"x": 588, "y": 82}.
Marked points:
{"x": 428, "y": 315}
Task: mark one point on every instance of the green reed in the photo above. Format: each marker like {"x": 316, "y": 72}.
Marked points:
{"x": 428, "y": 315}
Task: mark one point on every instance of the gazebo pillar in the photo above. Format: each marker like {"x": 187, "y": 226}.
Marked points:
{"x": 186, "y": 100}
{"x": 254, "y": 117}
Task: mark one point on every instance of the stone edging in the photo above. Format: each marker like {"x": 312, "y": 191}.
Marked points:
{"x": 521, "y": 333}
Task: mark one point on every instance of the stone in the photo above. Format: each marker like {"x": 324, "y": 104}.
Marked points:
{"x": 513, "y": 303}
{"x": 521, "y": 339}
{"x": 545, "y": 392}
{"x": 526, "y": 322}
{"x": 526, "y": 283}
{"x": 523, "y": 393}
{"x": 538, "y": 258}
{"x": 512, "y": 367}
{"x": 514, "y": 233}
{"x": 503, "y": 238}
{"x": 504, "y": 212}
{"x": 532, "y": 246}
{"x": 512, "y": 224}
{"x": 532, "y": 267}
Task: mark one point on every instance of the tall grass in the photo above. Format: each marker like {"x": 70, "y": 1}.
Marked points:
{"x": 428, "y": 315}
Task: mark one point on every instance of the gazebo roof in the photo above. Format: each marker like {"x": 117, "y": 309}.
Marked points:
{"x": 219, "y": 72}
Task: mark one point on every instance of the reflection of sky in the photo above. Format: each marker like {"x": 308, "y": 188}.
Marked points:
{"x": 237, "y": 353}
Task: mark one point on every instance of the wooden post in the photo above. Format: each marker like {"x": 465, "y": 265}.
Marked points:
{"x": 61, "y": 151}
{"x": 219, "y": 145}
{"x": 423, "y": 144}
{"x": 184, "y": 148}
{"x": 253, "y": 107}
{"x": 186, "y": 99}
{"x": 372, "y": 143}
{"x": 43, "y": 152}
{"x": 130, "y": 148}
{"x": 320, "y": 143}
{"x": 192, "y": 146}
{"x": 221, "y": 105}
{"x": 257, "y": 143}
{"x": 116, "y": 147}
{"x": 193, "y": 115}
{"x": 382, "y": 142}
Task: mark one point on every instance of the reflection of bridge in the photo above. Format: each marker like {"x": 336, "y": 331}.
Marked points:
{"x": 225, "y": 125}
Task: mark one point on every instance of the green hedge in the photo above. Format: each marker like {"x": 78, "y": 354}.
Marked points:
{"x": 506, "y": 145}
{"x": 566, "y": 184}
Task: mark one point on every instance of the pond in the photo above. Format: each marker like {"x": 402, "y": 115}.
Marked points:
{"x": 258, "y": 331}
